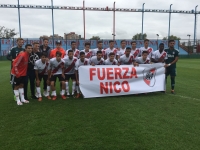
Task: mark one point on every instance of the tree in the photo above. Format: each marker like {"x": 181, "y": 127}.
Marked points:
{"x": 138, "y": 36}
{"x": 172, "y": 37}
{"x": 95, "y": 38}
{"x": 7, "y": 33}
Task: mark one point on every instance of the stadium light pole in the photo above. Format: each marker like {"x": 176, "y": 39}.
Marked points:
{"x": 19, "y": 20}
{"x": 113, "y": 22}
{"x": 170, "y": 9}
{"x": 84, "y": 18}
{"x": 195, "y": 24}
{"x": 157, "y": 39}
{"x": 52, "y": 22}
{"x": 142, "y": 20}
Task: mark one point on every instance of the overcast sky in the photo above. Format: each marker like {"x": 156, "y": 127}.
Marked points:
{"x": 36, "y": 22}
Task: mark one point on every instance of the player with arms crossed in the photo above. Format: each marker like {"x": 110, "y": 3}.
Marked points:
{"x": 99, "y": 48}
{"x": 111, "y": 49}
{"x": 144, "y": 59}
{"x": 127, "y": 58}
{"x": 87, "y": 51}
{"x": 111, "y": 60}
{"x": 81, "y": 62}
{"x": 172, "y": 58}
{"x": 121, "y": 50}
{"x": 97, "y": 60}
{"x": 19, "y": 71}
{"x": 56, "y": 70}
{"x": 76, "y": 52}
{"x": 41, "y": 72}
{"x": 134, "y": 51}
{"x": 147, "y": 48}
{"x": 159, "y": 56}
{"x": 69, "y": 71}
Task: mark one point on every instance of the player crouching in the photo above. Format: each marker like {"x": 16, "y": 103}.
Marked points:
{"x": 97, "y": 60}
{"x": 41, "y": 72}
{"x": 127, "y": 58}
{"x": 81, "y": 62}
{"x": 56, "y": 70}
{"x": 111, "y": 60}
{"x": 142, "y": 60}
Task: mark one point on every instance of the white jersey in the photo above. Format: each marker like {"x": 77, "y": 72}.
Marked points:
{"x": 108, "y": 62}
{"x": 135, "y": 53}
{"x": 159, "y": 56}
{"x": 80, "y": 63}
{"x": 123, "y": 60}
{"x": 108, "y": 51}
{"x": 140, "y": 60}
{"x": 94, "y": 51}
{"x": 41, "y": 67}
{"x": 95, "y": 61}
{"x": 55, "y": 66}
{"x": 70, "y": 65}
{"x": 88, "y": 54}
{"x": 121, "y": 51}
{"x": 76, "y": 52}
{"x": 149, "y": 50}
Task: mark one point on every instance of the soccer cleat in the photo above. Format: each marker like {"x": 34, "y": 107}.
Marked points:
{"x": 15, "y": 98}
{"x": 78, "y": 95}
{"x": 53, "y": 98}
{"x": 19, "y": 103}
{"x": 49, "y": 97}
{"x": 25, "y": 101}
{"x": 172, "y": 92}
{"x": 36, "y": 95}
{"x": 63, "y": 97}
{"x": 40, "y": 99}
{"x": 33, "y": 97}
{"x": 45, "y": 93}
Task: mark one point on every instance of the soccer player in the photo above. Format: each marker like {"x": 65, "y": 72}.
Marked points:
{"x": 134, "y": 51}
{"x": 58, "y": 48}
{"x": 80, "y": 62}
{"x": 56, "y": 70}
{"x": 41, "y": 72}
{"x": 99, "y": 48}
{"x": 159, "y": 56}
{"x": 146, "y": 48}
{"x": 97, "y": 60}
{"x": 172, "y": 58}
{"x": 45, "y": 48}
{"x": 111, "y": 60}
{"x": 87, "y": 51}
{"x": 111, "y": 49}
{"x": 19, "y": 70}
{"x": 144, "y": 59}
{"x": 127, "y": 58}
{"x": 121, "y": 51}
{"x": 13, "y": 54}
{"x": 69, "y": 71}
{"x": 74, "y": 49}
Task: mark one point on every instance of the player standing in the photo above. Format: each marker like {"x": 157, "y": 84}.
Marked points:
{"x": 99, "y": 48}
{"x": 147, "y": 48}
{"x": 69, "y": 71}
{"x": 57, "y": 49}
{"x": 87, "y": 51}
{"x": 111, "y": 60}
{"x": 159, "y": 56}
{"x": 144, "y": 59}
{"x": 121, "y": 51}
{"x": 127, "y": 58}
{"x": 97, "y": 60}
{"x": 111, "y": 49}
{"x": 56, "y": 70}
{"x": 172, "y": 58}
{"x": 41, "y": 72}
{"x": 134, "y": 51}
{"x": 19, "y": 70}
{"x": 82, "y": 61}
{"x": 74, "y": 49}
{"x": 45, "y": 48}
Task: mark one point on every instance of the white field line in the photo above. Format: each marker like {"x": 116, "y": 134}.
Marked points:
{"x": 185, "y": 97}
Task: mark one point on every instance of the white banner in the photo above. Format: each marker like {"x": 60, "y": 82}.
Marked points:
{"x": 110, "y": 80}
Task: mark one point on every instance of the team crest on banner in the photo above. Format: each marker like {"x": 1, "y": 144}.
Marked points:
{"x": 149, "y": 76}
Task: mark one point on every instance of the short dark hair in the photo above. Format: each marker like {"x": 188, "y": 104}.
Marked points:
{"x": 72, "y": 42}
{"x": 44, "y": 39}
{"x": 58, "y": 53}
{"x": 100, "y": 42}
{"x": 35, "y": 43}
{"x": 123, "y": 41}
{"x": 87, "y": 44}
{"x": 28, "y": 45}
{"x": 146, "y": 40}
{"x": 19, "y": 39}
{"x": 145, "y": 52}
{"x": 161, "y": 44}
{"x": 69, "y": 51}
{"x": 171, "y": 41}
{"x": 133, "y": 42}
{"x": 82, "y": 53}
{"x": 99, "y": 52}
{"x": 111, "y": 41}
{"x": 128, "y": 48}
{"x": 111, "y": 54}
{"x": 43, "y": 54}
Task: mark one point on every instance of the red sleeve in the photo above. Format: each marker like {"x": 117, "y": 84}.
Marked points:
{"x": 17, "y": 62}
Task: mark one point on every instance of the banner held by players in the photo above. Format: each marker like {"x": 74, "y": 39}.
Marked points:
{"x": 102, "y": 81}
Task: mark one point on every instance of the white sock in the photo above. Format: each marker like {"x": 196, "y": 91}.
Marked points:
{"x": 38, "y": 91}
{"x": 67, "y": 88}
{"x": 73, "y": 87}
{"x": 21, "y": 93}
{"x": 63, "y": 92}
{"x": 77, "y": 89}
{"x": 53, "y": 93}
{"x": 17, "y": 95}
{"x": 48, "y": 90}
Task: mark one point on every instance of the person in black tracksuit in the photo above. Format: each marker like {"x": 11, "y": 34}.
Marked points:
{"x": 35, "y": 55}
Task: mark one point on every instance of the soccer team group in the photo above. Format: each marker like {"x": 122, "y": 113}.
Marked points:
{"x": 38, "y": 63}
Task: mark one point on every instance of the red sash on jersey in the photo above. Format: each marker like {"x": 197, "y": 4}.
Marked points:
{"x": 86, "y": 62}
{"x": 88, "y": 54}
{"x": 59, "y": 66}
{"x": 130, "y": 60}
{"x": 115, "y": 51}
{"x": 44, "y": 70}
{"x": 162, "y": 57}
{"x": 100, "y": 63}
{"x": 136, "y": 53}
{"x": 71, "y": 66}
{"x": 103, "y": 52}
{"x": 76, "y": 54}
{"x": 146, "y": 62}
{"x": 149, "y": 50}
{"x": 114, "y": 63}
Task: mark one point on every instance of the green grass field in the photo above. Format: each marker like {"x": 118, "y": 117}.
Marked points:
{"x": 154, "y": 121}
